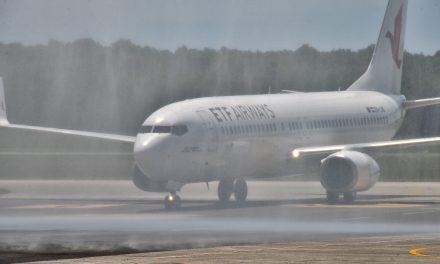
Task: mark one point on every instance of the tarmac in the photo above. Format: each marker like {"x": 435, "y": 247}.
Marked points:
{"x": 282, "y": 222}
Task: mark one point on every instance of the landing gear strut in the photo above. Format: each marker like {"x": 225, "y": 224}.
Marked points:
{"x": 332, "y": 197}
{"x": 228, "y": 186}
{"x": 349, "y": 197}
{"x": 172, "y": 201}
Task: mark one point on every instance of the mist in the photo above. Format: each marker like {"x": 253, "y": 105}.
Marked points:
{"x": 86, "y": 84}
{"x": 116, "y": 233}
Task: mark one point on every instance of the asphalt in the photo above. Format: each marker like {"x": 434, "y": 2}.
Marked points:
{"x": 48, "y": 220}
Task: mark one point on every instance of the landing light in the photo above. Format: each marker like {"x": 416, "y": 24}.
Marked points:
{"x": 170, "y": 198}
{"x": 295, "y": 153}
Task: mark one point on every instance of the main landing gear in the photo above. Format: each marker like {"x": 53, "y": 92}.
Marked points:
{"x": 172, "y": 201}
{"x": 228, "y": 186}
{"x": 333, "y": 197}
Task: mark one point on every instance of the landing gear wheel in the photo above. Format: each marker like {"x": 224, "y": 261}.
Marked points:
{"x": 225, "y": 188}
{"x": 172, "y": 202}
{"x": 350, "y": 197}
{"x": 240, "y": 190}
{"x": 332, "y": 197}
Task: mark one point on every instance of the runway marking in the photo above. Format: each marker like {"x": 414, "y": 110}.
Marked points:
{"x": 418, "y": 252}
{"x": 421, "y": 212}
{"x": 67, "y": 206}
{"x": 384, "y": 205}
{"x": 353, "y": 219}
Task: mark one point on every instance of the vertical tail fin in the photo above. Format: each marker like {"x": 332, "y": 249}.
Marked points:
{"x": 3, "y": 116}
{"x": 384, "y": 74}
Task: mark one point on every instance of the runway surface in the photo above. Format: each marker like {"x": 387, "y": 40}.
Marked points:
{"x": 53, "y": 219}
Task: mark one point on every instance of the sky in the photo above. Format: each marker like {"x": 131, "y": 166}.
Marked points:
{"x": 241, "y": 24}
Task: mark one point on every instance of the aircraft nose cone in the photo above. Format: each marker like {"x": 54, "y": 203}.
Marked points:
{"x": 148, "y": 152}
{"x": 144, "y": 143}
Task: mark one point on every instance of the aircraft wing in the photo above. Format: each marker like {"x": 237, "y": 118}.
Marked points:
{"x": 370, "y": 146}
{"x": 5, "y": 123}
{"x": 112, "y": 137}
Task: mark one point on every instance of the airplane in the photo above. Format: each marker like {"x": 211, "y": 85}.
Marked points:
{"x": 232, "y": 138}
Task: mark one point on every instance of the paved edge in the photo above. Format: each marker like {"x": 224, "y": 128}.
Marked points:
{"x": 372, "y": 250}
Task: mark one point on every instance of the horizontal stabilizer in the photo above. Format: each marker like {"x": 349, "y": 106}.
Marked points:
{"x": 410, "y": 104}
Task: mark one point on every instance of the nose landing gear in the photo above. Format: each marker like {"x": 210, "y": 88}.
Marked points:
{"x": 172, "y": 201}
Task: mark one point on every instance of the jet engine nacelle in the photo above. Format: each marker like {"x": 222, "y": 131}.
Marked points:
{"x": 349, "y": 171}
{"x": 145, "y": 184}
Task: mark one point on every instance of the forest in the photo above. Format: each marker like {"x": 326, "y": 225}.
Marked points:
{"x": 88, "y": 86}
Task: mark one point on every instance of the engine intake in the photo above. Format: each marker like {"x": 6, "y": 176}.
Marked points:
{"x": 349, "y": 171}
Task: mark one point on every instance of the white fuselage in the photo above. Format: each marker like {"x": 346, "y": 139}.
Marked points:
{"x": 207, "y": 139}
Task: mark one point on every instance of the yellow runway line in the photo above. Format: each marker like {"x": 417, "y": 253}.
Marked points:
{"x": 418, "y": 252}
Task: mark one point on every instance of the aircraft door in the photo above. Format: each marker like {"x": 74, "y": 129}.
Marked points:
{"x": 212, "y": 136}
{"x": 305, "y": 133}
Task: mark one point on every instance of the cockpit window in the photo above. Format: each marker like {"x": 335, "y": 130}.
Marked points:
{"x": 161, "y": 129}
{"x": 177, "y": 130}
{"x": 145, "y": 129}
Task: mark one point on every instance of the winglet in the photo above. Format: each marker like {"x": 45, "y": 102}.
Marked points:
{"x": 3, "y": 116}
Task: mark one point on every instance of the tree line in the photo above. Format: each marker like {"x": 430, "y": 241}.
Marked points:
{"x": 88, "y": 86}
